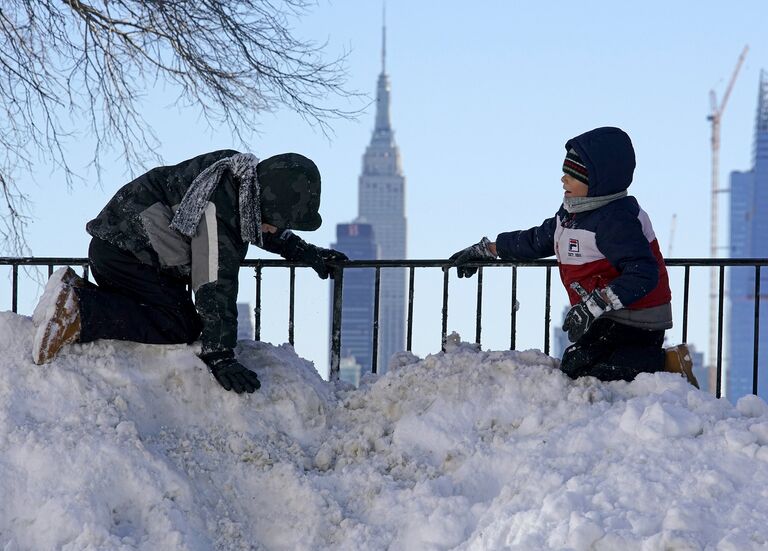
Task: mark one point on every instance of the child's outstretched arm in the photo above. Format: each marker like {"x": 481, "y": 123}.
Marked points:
{"x": 537, "y": 242}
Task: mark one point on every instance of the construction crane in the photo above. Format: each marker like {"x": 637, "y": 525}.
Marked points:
{"x": 716, "y": 118}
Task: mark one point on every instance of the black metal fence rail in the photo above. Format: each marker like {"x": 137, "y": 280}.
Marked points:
{"x": 338, "y": 284}
{"x": 50, "y": 262}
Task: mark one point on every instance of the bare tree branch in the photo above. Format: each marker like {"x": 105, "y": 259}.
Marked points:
{"x": 72, "y": 67}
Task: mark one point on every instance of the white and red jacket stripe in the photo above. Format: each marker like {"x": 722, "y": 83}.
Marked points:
{"x": 612, "y": 247}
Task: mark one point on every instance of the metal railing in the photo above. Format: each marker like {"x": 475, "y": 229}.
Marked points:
{"x": 411, "y": 265}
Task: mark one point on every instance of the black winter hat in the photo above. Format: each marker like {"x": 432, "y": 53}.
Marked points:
{"x": 574, "y": 166}
{"x": 290, "y": 192}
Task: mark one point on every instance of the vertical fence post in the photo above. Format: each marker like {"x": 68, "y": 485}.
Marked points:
{"x": 291, "y": 303}
{"x": 720, "y": 332}
{"x": 338, "y": 292}
{"x": 444, "y": 333}
{"x": 409, "y": 337}
{"x": 686, "y": 286}
{"x": 376, "y": 299}
{"x": 547, "y": 307}
{"x": 756, "y": 345}
{"x": 513, "y": 314}
{"x": 479, "y": 308}
{"x": 257, "y": 308}
{"x": 15, "y": 288}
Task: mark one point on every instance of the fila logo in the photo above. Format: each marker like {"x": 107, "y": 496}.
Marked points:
{"x": 573, "y": 245}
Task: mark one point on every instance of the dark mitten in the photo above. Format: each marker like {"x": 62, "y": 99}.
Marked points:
{"x": 321, "y": 260}
{"x": 230, "y": 373}
{"x": 477, "y": 252}
{"x": 580, "y": 317}
{"x": 330, "y": 258}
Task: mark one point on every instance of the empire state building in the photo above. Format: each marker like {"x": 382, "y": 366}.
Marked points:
{"x": 381, "y": 203}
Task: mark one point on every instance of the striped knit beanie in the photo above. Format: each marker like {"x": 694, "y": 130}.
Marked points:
{"x": 574, "y": 166}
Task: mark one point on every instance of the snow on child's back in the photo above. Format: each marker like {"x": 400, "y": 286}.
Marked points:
{"x": 125, "y": 446}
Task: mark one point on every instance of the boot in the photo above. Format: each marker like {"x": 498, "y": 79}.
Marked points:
{"x": 57, "y": 318}
{"x": 66, "y": 276}
{"x": 678, "y": 360}
{"x": 72, "y": 279}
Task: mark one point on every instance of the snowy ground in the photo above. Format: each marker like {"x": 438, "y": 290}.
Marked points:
{"x": 125, "y": 446}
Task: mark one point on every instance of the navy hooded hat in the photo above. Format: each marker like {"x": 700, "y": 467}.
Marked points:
{"x": 608, "y": 154}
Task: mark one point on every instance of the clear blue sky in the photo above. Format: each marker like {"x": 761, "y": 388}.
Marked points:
{"x": 483, "y": 98}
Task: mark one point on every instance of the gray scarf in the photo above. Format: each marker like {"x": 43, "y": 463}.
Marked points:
{"x": 243, "y": 168}
{"x": 583, "y": 204}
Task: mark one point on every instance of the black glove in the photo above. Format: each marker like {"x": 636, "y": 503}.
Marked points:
{"x": 330, "y": 257}
{"x": 230, "y": 373}
{"x": 579, "y": 318}
{"x": 478, "y": 251}
{"x": 321, "y": 260}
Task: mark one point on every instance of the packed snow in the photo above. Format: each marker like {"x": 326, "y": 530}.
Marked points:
{"x": 124, "y": 446}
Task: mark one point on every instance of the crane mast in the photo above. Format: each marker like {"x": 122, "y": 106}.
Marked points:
{"x": 715, "y": 118}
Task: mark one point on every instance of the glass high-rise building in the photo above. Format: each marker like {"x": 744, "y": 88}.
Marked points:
{"x": 357, "y": 242}
{"x": 748, "y": 231}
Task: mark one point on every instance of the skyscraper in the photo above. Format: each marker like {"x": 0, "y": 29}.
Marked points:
{"x": 357, "y": 242}
{"x": 381, "y": 203}
{"x": 748, "y": 231}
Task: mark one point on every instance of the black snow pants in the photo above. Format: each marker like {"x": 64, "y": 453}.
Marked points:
{"x": 134, "y": 301}
{"x": 611, "y": 351}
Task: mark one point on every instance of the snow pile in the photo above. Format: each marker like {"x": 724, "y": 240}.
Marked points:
{"x": 124, "y": 446}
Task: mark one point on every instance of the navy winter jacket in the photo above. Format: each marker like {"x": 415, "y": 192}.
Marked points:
{"x": 612, "y": 246}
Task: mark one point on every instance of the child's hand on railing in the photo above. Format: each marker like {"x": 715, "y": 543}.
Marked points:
{"x": 483, "y": 250}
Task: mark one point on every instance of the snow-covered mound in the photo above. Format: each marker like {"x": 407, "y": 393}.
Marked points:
{"x": 124, "y": 446}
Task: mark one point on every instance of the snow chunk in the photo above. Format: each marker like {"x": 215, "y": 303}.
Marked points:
{"x": 752, "y": 406}
{"x": 660, "y": 420}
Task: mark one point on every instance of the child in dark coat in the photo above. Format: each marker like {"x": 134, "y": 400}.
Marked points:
{"x": 187, "y": 225}
{"x": 609, "y": 261}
